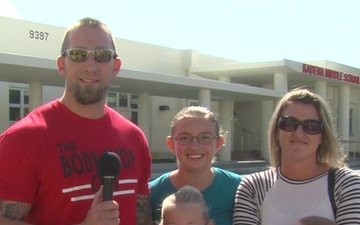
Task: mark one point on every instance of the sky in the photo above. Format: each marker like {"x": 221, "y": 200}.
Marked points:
{"x": 242, "y": 30}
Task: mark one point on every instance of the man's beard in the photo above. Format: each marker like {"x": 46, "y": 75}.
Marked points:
{"x": 89, "y": 95}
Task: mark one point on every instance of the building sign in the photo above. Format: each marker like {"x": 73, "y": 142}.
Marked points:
{"x": 332, "y": 74}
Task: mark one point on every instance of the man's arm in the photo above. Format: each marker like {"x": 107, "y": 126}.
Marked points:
{"x": 13, "y": 213}
{"x": 143, "y": 210}
{"x": 100, "y": 212}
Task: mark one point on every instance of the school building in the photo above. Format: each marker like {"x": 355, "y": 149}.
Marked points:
{"x": 155, "y": 82}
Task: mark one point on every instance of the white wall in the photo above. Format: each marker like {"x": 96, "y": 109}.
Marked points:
{"x": 52, "y": 93}
{"x": 18, "y": 32}
{"x": 160, "y": 124}
{"x": 151, "y": 58}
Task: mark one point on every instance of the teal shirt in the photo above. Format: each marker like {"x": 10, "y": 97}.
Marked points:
{"x": 219, "y": 196}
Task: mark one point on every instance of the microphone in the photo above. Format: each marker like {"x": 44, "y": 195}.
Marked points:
{"x": 108, "y": 168}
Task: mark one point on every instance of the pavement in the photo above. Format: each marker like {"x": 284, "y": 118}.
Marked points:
{"x": 240, "y": 167}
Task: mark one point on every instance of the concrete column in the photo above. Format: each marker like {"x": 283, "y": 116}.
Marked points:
{"x": 205, "y": 98}
{"x": 35, "y": 95}
{"x": 344, "y": 107}
{"x": 4, "y": 109}
{"x": 281, "y": 81}
{"x": 144, "y": 113}
{"x": 320, "y": 88}
{"x": 226, "y": 118}
{"x": 267, "y": 109}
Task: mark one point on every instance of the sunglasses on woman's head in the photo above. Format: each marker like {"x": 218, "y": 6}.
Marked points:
{"x": 81, "y": 54}
{"x": 290, "y": 124}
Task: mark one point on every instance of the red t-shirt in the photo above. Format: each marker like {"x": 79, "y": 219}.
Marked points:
{"x": 49, "y": 158}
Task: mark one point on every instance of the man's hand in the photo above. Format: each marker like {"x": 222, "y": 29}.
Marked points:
{"x": 102, "y": 213}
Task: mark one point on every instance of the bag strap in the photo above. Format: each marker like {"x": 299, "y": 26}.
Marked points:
{"x": 331, "y": 188}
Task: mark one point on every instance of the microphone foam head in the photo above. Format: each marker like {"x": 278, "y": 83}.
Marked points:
{"x": 108, "y": 164}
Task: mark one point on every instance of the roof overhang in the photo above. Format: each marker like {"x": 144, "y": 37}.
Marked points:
{"x": 260, "y": 73}
{"x": 28, "y": 69}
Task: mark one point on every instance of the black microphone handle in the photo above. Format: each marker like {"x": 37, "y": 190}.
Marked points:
{"x": 108, "y": 187}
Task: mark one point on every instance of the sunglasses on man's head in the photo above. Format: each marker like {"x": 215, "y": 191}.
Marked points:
{"x": 290, "y": 124}
{"x": 81, "y": 54}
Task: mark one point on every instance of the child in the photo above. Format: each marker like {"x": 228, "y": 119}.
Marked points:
{"x": 195, "y": 138}
{"x": 315, "y": 220}
{"x": 186, "y": 206}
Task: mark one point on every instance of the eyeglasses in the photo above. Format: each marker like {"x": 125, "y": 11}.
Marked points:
{"x": 203, "y": 138}
{"x": 81, "y": 54}
{"x": 290, "y": 124}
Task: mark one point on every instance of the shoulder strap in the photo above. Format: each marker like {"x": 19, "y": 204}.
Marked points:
{"x": 331, "y": 188}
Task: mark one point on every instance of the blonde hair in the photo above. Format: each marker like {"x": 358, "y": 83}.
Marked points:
{"x": 196, "y": 112}
{"x": 330, "y": 150}
{"x": 186, "y": 195}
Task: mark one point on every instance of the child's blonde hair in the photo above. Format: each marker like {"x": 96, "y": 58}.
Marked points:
{"x": 196, "y": 112}
{"x": 186, "y": 195}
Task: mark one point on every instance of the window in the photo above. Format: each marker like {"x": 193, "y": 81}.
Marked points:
{"x": 193, "y": 103}
{"x": 123, "y": 100}
{"x": 111, "y": 99}
{"x": 134, "y": 102}
{"x": 125, "y": 103}
{"x": 18, "y": 104}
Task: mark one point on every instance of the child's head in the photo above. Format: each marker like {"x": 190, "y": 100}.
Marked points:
{"x": 186, "y": 206}
{"x": 195, "y": 127}
{"x": 315, "y": 220}
{"x": 196, "y": 112}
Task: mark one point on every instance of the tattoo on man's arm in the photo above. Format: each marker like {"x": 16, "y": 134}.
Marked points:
{"x": 13, "y": 210}
{"x": 143, "y": 211}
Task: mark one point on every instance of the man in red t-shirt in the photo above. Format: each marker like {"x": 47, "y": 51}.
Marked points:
{"x": 48, "y": 159}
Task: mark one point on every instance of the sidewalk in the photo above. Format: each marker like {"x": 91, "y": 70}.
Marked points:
{"x": 240, "y": 167}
